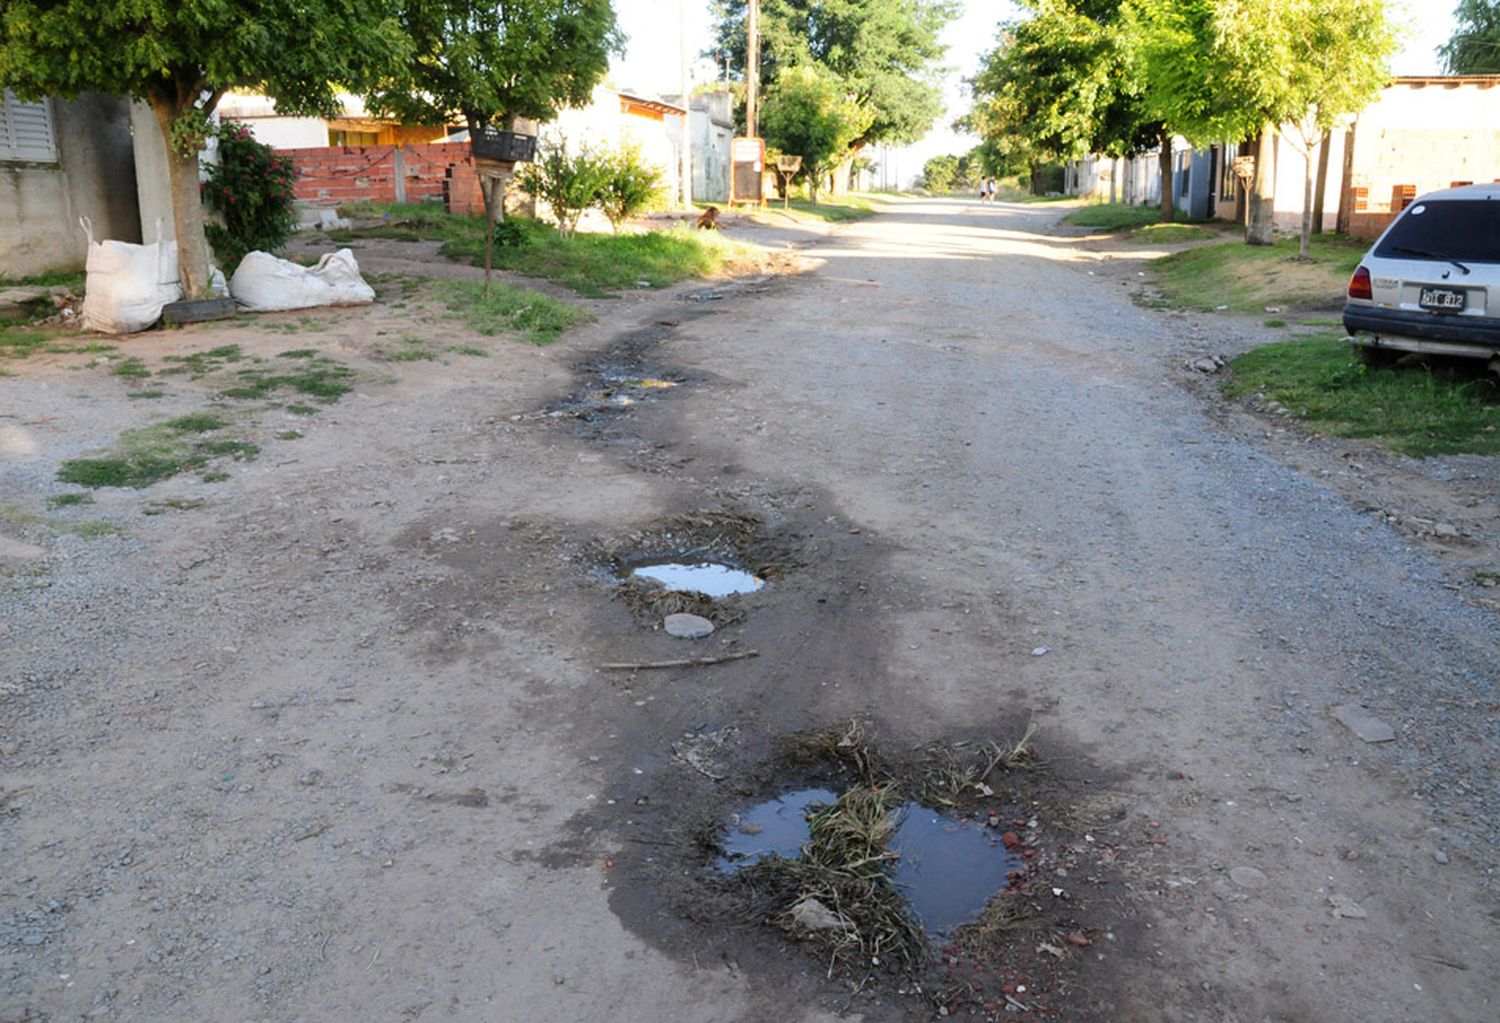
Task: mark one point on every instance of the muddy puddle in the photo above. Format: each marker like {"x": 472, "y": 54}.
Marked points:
{"x": 946, "y": 868}
{"x": 712, "y": 579}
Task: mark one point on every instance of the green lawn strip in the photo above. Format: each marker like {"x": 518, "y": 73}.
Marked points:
{"x": 829, "y": 209}
{"x": 597, "y": 265}
{"x": 1117, "y": 216}
{"x": 142, "y": 456}
{"x": 1414, "y": 411}
{"x": 18, "y": 344}
{"x": 538, "y": 318}
{"x": 1248, "y": 278}
{"x": 71, "y": 279}
{"x": 1169, "y": 234}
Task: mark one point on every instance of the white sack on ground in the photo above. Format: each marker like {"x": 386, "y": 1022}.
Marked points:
{"x": 262, "y": 283}
{"x": 127, "y": 285}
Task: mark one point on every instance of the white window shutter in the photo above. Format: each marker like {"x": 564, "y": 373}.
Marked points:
{"x": 26, "y": 131}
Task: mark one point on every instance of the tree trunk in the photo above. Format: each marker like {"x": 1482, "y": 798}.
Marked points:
{"x": 1320, "y": 195}
{"x": 1168, "y": 185}
{"x": 1307, "y": 205}
{"x": 1036, "y": 178}
{"x": 1263, "y": 191}
{"x": 195, "y": 264}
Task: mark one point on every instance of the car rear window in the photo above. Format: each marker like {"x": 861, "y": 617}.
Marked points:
{"x": 1448, "y": 229}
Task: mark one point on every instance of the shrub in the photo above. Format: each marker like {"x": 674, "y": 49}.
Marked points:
{"x": 630, "y": 188}
{"x": 250, "y": 188}
{"x": 568, "y": 183}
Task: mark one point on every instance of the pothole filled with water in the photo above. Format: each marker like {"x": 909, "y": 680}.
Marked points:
{"x": 712, "y": 579}
{"x": 946, "y": 868}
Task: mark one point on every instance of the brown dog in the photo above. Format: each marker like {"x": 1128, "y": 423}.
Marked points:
{"x": 708, "y": 220}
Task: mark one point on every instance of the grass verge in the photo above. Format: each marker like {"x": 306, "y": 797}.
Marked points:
{"x": 1171, "y": 234}
{"x": 1240, "y": 278}
{"x": 538, "y": 318}
{"x": 593, "y": 265}
{"x": 829, "y": 210}
{"x": 1417, "y": 411}
{"x": 1117, "y": 216}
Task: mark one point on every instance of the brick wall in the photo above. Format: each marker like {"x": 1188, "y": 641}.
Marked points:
{"x": 432, "y": 172}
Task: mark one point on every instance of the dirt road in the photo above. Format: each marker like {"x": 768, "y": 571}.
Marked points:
{"x": 336, "y": 744}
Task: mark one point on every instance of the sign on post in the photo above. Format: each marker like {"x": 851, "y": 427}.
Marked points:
{"x": 747, "y": 178}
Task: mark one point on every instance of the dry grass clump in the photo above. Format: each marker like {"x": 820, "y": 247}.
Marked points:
{"x": 839, "y": 894}
{"x": 846, "y": 743}
{"x": 956, "y": 774}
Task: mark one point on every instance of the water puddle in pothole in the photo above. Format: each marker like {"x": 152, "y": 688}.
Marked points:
{"x": 709, "y": 578}
{"x": 947, "y": 869}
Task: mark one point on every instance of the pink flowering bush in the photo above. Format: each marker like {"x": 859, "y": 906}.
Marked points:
{"x": 250, "y": 189}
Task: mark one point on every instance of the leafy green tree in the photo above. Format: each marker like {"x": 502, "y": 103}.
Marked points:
{"x": 180, "y": 58}
{"x": 629, "y": 188}
{"x": 487, "y": 61}
{"x": 569, "y": 183}
{"x": 1475, "y": 46}
{"x": 1217, "y": 69}
{"x": 808, "y": 114}
{"x": 885, "y": 53}
{"x": 1062, "y": 83}
{"x": 940, "y": 173}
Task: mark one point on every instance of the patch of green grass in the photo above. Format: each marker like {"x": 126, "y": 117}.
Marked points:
{"x": 299, "y": 353}
{"x": 1320, "y": 323}
{"x": 71, "y": 279}
{"x": 202, "y": 363}
{"x": 172, "y": 504}
{"x": 1275, "y": 323}
{"x": 145, "y": 395}
{"x": 829, "y": 209}
{"x": 478, "y": 353}
{"x": 18, "y": 344}
{"x": 91, "y": 348}
{"x": 131, "y": 368}
{"x": 411, "y": 349}
{"x": 93, "y": 530}
{"x": 214, "y": 476}
{"x": 302, "y": 410}
{"x": 1118, "y": 216}
{"x": 1416, "y": 412}
{"x": 196, "y": 422}
{"x": 538, "y": 318}
{"x": 290, "y": 435}
{"x": 1170, "y": 234}
{"x": 146, "y": 455}
{"x": 1247, "y": 278}
{"x": 1486, "y": 578}
{"x": 317, "y": 377}
{"x": 69, "y": 500}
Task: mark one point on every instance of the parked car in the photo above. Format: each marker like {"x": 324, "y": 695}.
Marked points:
{"x": 1431, "y": 283}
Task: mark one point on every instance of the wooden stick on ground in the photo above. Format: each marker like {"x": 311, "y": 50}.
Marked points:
{"x": 691, "y": 662}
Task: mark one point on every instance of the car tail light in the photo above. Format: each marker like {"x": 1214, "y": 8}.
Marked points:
{"x": 1359, "y": 285}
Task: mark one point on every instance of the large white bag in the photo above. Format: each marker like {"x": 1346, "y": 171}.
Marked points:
{"x": 262, "y": 283}
{"x": 128, "y": 285}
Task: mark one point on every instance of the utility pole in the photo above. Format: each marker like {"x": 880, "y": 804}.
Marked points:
{"x": 685, "y": 145}
{"x": 752, "y": 71}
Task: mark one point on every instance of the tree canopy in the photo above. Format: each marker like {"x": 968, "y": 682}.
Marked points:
{"x": 180, "y": 57}
{"x": 486, "y": 61}
{"x": 1475, "y": 46}
{"x": 809, "y": 114}
{"x": 885, "y": 53}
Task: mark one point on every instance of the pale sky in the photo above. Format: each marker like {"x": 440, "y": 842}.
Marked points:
{"x": 651, "y": 62}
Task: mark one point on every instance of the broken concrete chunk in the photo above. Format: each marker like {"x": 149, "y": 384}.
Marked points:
{"x": 1362, "y": 723}
{"x": 812, "y": 915}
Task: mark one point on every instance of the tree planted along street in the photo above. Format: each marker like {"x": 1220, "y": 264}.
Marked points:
{"x": 180, "y": 58}
{"x": 1228, "y": 69}
{"x": 487, "y": 61}
{"x": 1475, "y": 46}
{"x": 886, "y": 55}
{"x": 809, "y": 114}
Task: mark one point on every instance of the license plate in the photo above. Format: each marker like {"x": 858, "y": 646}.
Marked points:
{"x": 1442, "y": 300}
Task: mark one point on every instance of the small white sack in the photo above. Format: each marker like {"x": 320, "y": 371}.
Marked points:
{"x": 127, "y": 285}
{"x": 262, "y": 283}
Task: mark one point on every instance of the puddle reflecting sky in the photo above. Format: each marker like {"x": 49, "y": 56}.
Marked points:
{"x": 704, "y": 577}
{"x": 948, "y": 868}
